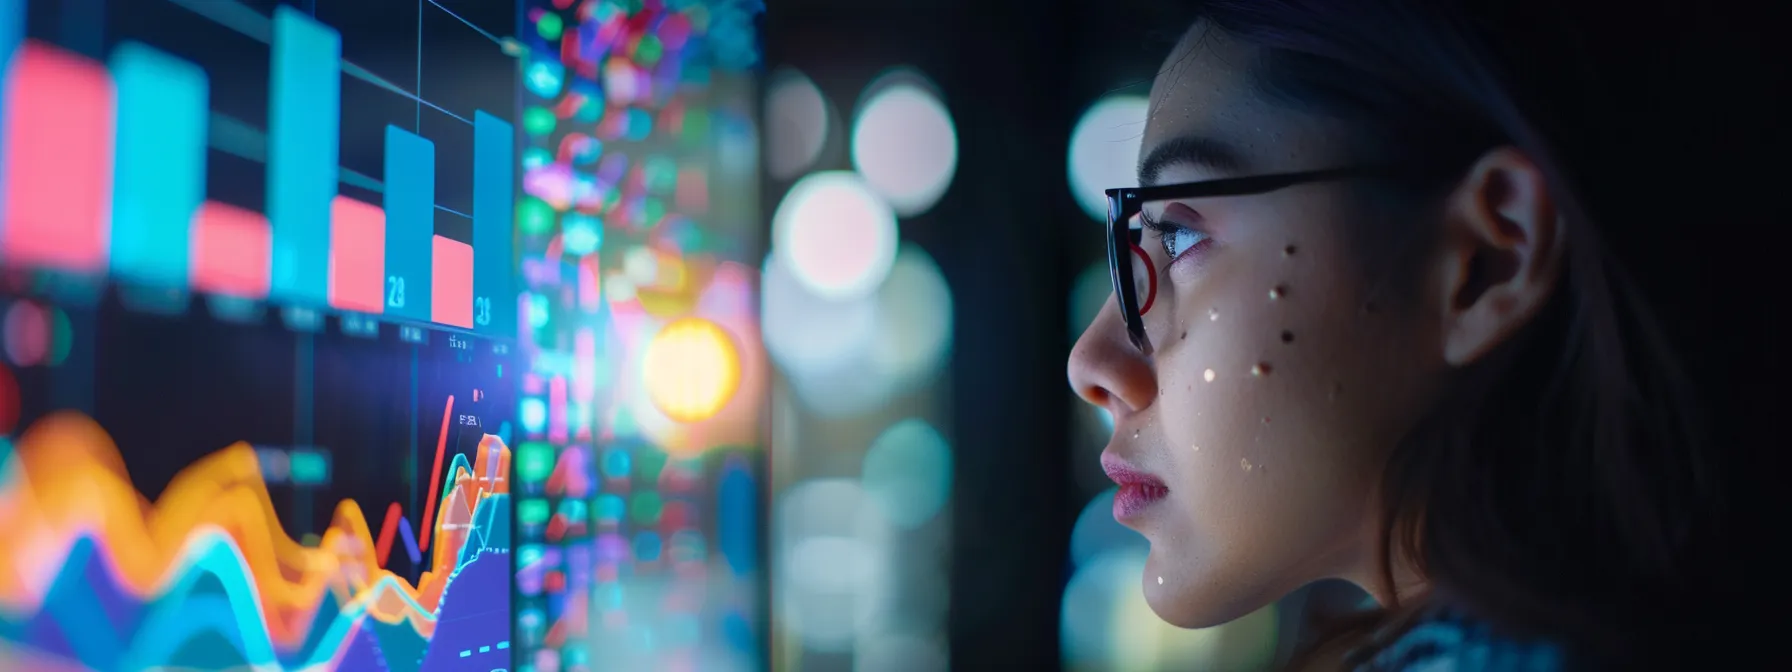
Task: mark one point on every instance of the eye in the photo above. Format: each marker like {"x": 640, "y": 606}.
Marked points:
{"x": 1177, "y": 239}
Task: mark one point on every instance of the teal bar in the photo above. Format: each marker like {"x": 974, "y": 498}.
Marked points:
{"x": 12, "y": 31}
{"x": 410, "y": 223}
{"x": 494, "y": 195}
{"x": 163, "y": 103}
{"x": 304, "y": 117}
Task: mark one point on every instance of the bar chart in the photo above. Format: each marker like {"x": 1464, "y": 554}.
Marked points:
{"x": 103, "y": 171}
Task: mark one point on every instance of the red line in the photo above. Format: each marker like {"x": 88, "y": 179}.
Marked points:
{"x": 387, "y": 529}
{"x": 435, "y": 478}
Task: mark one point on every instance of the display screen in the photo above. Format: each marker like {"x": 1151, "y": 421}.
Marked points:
{"x": 288, "y": 287}
{"x": 256, "y": 271}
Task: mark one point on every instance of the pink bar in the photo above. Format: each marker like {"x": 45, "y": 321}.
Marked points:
{"x": 231, "y": 251}
{"x": 357, "y": 256}
{"x": 59, "y": 137}
{"x": 557, "y": 410}
{"x": 451, "y": 283}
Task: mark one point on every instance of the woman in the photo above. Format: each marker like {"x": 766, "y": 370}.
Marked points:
{"x": 1373, "y": 321}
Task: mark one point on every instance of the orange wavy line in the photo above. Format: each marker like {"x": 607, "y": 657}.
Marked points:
{"x": 68, "y": 480}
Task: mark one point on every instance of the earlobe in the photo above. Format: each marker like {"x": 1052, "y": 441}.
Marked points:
{"x": 1502, "y": 254}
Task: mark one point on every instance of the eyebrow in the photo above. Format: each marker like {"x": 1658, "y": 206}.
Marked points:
{"x": 1190, "y": 150}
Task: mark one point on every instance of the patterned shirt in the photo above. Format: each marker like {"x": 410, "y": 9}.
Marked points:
{"x": 1446, "y": 644}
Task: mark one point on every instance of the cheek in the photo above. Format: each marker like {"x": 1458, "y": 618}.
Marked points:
{"x": 1269, "y": 452}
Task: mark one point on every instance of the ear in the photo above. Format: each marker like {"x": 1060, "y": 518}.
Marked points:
{"x": 1502, "y": 254}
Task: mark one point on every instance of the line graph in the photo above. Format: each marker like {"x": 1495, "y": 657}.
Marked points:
{"x": 99, "y": 575}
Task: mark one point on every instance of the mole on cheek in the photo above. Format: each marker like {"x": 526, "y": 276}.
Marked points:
{"x": 1278, "y": 292}
{"x": 1288, "y": 251}
{"x": 1287, "y": 337}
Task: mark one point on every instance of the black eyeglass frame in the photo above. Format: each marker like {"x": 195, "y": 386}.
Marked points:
{"x": 1126, "y": 203}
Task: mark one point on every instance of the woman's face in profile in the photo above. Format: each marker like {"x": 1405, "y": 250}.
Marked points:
{"x": 1275, "y": 388}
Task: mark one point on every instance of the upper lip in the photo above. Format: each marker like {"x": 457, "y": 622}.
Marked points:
{"x": 1124, "y": 473}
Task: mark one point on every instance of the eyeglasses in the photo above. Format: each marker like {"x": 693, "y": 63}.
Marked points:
{"x": 1123, "y": 238}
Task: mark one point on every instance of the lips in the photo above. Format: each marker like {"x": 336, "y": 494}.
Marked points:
{"x": 1138, "y": 490}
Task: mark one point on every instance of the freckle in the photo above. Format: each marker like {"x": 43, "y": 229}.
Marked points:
{"x": 1287, "y": 337}
{"x": 1288, "y": 251}
{"x": 1260, "y": 369}
{"x": 1278, "y": 292}
{"x": 1265, "y": 419}
{"x": 1185, "y": 335}
{"x": 1208, "y": 374}
{"x": 1213, "y": 314}
{"x": 1244, "y": 463}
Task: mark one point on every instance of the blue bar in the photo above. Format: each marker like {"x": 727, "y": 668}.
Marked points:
{"x": 12, "y": 31}
{"x": 410, "y": 223}
{"x": 163, "y": 103}
{"x": 494, "y": 196}
{"x": 304, "y": 117}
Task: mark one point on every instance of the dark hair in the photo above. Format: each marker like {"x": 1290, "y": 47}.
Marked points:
{"x": 1569, "y": 486}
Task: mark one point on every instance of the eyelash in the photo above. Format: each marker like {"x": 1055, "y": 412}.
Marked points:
{"x": 1164, "y": 232}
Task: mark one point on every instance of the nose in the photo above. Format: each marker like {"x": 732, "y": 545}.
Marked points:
{"x": 1107, "y": 370}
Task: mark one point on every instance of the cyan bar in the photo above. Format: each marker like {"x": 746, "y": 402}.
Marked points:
{"x": 12, "y": 31}
{"x": 410, "y": 223}
{"x": 163, "y": 105}
{"x": 494, "y": 195}
{"x": 304, "y": 117}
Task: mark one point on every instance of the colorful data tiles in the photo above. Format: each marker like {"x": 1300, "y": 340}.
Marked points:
{"x": 230, "y": 251}
{"x": 117, "y": 154}
{"x": 494, "y": 211}
{"x": 357, "y": 256}
{"x": 451, "y": 285}
{"x": 304, "y": 118}
{"x": 160, "y": 178}
{"x": 59, "y": 124}
{"x": 410, "y": 218}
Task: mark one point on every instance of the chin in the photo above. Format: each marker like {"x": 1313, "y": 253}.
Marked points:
{"x": 1193, "y": 598}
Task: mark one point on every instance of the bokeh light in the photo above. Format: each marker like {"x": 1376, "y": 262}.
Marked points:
{"x": 1107, "y": 625}
{"x": 835, "y": 234}
{"x": 9, "y": 402}
{"x": 825, "y": 563}
{"x": 913, "y": 318}
{"x": 1104, "y": 150}
{"x": 894, "y": 652}
{"x": 1092, "y": 289}
{"x": 904, "y": 142}
{"x": 908, "y": 473}
{"x": 29, "y": 333}
{"x": 692, "y": 369}
{"x": 806, "y": 333}
{"x": 1097, "y": 533}
{"x": 797, "y": 121}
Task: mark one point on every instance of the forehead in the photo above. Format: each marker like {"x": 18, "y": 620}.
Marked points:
{"x": 1205, "y": 91}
